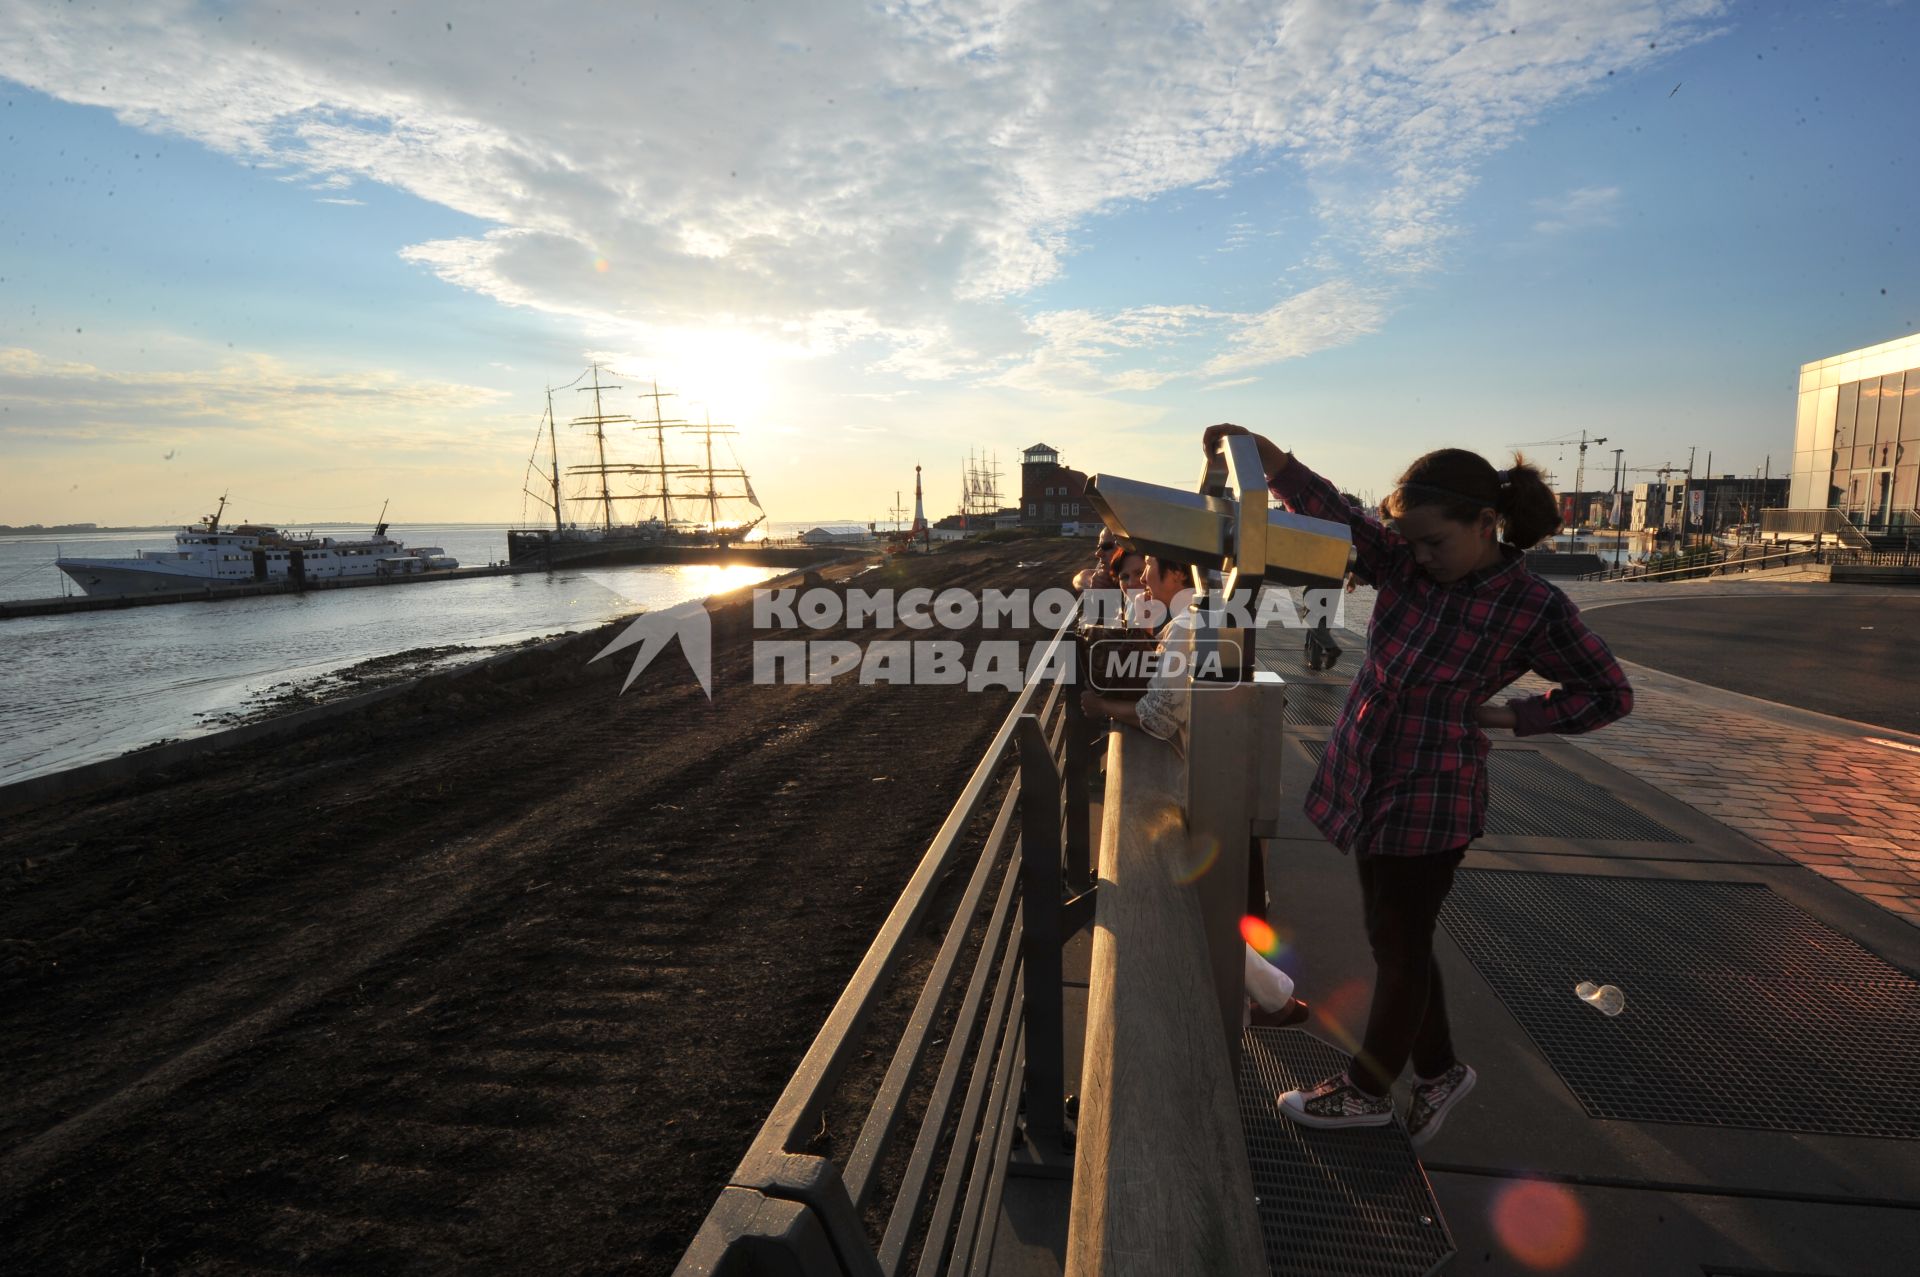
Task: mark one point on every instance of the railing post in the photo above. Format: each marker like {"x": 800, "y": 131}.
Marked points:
{"x": 1040, "y": 888}
{"x": 1222, "y": 756}
{"x": 1076, "y": 753}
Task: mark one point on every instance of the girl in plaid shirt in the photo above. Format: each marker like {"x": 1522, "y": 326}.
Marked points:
{"x": 1403, "y": 783}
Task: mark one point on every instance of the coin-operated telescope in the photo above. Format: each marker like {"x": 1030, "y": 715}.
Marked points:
{"x": 1225, "y": 528}
{"x": 1236, "y": 714}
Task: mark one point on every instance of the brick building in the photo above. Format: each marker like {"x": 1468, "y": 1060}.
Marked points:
{"x": 1050, "y": 493}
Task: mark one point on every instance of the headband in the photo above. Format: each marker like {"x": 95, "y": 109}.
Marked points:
{"x": 1503, "y": 477}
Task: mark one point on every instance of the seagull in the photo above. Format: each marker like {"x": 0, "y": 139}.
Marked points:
{"x": 169, "y": 455}
{"x": 1676, "y": 88}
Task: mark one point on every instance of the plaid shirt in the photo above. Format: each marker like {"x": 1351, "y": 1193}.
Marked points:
{"x": 1405, "y": 772}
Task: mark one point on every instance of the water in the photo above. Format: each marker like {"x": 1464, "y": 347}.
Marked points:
{"x": 84, "y": 686}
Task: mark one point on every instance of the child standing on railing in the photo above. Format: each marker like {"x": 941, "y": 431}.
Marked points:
{"x": 1403, "y": 782}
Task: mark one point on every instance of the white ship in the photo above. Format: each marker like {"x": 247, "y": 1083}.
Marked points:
{"x": 207, "y": 555}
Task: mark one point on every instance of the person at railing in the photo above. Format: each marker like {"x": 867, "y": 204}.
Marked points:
{"x": 1098, "y": 577}
{"x": 1162, "y": 712}
{"x": 1403, "y": 782}
{"x": 1322, "y": 651}
{"x": 1114, "y": 579}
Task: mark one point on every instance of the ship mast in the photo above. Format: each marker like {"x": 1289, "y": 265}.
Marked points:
{"x": 600, "y": 421}
{"x": 713, "y": 475}
{"x": 660, "y": 469}
{"x": 553, "y": 459}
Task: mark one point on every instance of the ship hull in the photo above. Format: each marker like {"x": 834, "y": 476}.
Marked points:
{"x": 142, "y": 576}
{"x": 104, "y": 576}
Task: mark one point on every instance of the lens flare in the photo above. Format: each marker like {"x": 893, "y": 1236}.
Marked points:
{"x": 1260, "y": 936}
{"x": 1205, "y": 851}
{"x": 1541, "y": 1225}
{"x": 602, "y": 265}
{"x": 1342, "y": 1012}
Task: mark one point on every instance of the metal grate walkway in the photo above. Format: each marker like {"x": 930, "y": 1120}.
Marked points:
{"x": 1741, "y": 1010}
{"x": 1531, "y": 796}
{"x": 1354, "y": 1203}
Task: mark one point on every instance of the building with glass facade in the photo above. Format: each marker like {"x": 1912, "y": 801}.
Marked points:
{"x": 1856, "y": 445}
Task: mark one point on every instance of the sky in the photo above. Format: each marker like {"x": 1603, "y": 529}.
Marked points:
{"x": 320, "y": 257}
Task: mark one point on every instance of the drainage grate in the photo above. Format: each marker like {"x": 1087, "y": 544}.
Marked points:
{"x": 1742, "y": 1009}
{"x": 1531, "y": 796}
{"x": 1348, "y": 1202}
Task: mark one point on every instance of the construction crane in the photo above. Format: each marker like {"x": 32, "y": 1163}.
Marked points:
{"x": 1580, "y": 472}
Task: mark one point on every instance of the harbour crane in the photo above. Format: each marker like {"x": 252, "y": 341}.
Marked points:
{"x": 1580, "y": 471}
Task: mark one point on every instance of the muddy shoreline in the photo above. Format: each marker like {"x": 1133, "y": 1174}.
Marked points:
{"x": 501, "y": 972}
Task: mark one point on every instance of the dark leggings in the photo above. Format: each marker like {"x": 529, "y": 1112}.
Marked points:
{"x": 1401, "y": 897}
{"x": 1257, "y": 879}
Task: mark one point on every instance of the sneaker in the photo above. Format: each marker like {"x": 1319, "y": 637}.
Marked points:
{"x": 1432, "y": 1097}
{"x": 1337, "y": 1103}
{"x": 1295, "y": 1012}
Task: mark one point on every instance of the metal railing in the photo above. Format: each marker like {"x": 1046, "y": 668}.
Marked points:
{"x": 1823, "y": 521}
{"x": 1696, "y": 564}
{"x": 1907, "y": 558}
{"x": 1164, "y": 1183}
{"x": 1725, "y": 563}
{"x": 872, "y": 1211}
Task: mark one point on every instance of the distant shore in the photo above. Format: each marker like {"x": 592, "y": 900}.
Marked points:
{"x": 34, "y": 530}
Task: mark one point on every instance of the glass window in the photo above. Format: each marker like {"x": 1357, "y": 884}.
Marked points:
{"x": 1803, "y": 421}
{"x": 1867, "y": 422}
{"x": 1891, "y": 391}
{"x": 1906, "y": 490}
{"x": 1844, "y": 411}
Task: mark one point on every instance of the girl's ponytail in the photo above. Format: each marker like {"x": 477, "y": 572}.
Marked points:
{"x": 1526, "y": 505}
{"x": 1462, "y": 484}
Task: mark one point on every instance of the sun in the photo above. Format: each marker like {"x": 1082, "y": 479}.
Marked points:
{"x": 721, "y": 375}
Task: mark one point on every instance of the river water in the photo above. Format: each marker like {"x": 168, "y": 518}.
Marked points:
{"x": 84, "y": 686}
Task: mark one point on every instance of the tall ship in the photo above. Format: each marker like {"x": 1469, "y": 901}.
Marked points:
{"x": 208, "y": 554}
{"x": 614, "y": 491}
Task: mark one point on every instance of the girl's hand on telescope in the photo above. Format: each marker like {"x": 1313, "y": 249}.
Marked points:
{"x": 1273, "y": 458}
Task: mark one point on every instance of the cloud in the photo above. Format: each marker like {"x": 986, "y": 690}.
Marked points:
{"x": 891, "y": 181}
{"x": 1076, "y": 349}
{"x": 1319, "y": 318}
{"x": 68, "y": 402}
{"x": 1583, "y": 208}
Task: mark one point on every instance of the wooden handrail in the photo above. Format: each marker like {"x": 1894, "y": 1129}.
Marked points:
{"x": 1161, "y": 1181}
